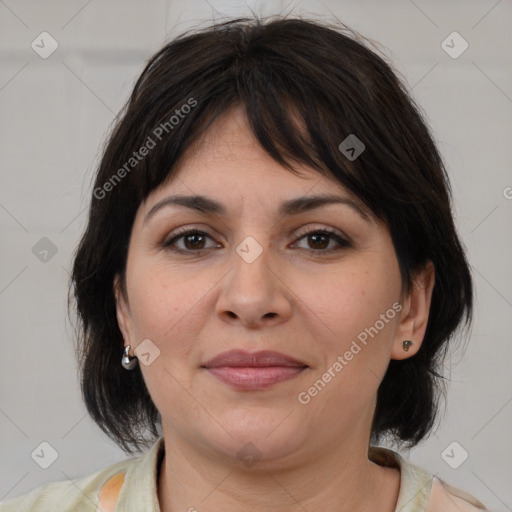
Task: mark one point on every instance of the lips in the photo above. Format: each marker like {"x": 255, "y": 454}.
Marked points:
{"x": 253, "y": 371}
{"x": 261, "y": 359}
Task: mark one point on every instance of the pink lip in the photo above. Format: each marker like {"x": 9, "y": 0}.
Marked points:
{"x": 263, "y": 358}
{"x": 253, "y": 371}
{"x": 251, "y": 378}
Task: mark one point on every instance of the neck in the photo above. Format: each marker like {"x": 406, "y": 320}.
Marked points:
{"x": 342, "y": 480}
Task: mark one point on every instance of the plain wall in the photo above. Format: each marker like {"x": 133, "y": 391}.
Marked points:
{"x": 54, "y": 114}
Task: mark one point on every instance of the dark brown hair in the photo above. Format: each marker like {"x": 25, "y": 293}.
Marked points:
{"x": 306, "y": 86}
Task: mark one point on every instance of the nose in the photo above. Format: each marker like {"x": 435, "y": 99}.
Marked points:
{"x": 254, "y": 293}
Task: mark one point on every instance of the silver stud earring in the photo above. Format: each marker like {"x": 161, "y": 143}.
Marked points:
{"x": 128, "y": 362}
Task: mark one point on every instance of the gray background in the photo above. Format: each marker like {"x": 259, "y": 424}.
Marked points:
{"x": 54, "y": 114}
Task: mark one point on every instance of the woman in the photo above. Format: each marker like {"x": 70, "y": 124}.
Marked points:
{"x": 268, "y": 282}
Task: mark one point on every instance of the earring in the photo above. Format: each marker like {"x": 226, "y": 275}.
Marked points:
{"x": 406, "y": 344}
{"x": 128, "y": 362}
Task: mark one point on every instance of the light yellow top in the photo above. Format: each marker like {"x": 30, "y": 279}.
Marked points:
{"x": 131, "y": 486}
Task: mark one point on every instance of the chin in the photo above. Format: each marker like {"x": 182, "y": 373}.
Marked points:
{"x": 263, "y": 441}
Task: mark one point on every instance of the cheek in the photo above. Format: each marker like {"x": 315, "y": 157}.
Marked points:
{"x": 355, "y": 355}
{"x": 351, "y": 301}
{"x": 358, "y": 310}
{"x": 154, "y": 302}
{"x": 165, "y": 303}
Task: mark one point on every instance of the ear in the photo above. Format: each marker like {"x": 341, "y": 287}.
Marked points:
{"x": 415, "y": 313}
{"x": 123, "y": 311}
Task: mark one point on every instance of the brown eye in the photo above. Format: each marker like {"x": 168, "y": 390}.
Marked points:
{"x": 193, "y": 240}
{"x": 320, "y": 239}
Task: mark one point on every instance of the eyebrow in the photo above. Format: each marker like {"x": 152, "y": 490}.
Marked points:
{"x": 288, "y": 208}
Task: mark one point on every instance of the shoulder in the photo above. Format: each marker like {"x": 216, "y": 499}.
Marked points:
{"x": 93, "y": 492}
{"x": 448, "y": 498}
{"x": 131, "y": 485}
{"x": 422, "y": 491}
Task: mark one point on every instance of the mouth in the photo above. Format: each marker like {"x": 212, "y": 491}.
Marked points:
{"x": 254, "y": 371}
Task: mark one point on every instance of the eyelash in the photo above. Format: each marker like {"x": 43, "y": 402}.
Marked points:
{"x": 181, "y": 233}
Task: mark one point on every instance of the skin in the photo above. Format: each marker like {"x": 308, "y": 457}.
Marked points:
{"x": 305, "y": 297}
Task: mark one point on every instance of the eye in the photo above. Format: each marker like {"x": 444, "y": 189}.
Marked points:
{"x": 194, "y": 240}
{"x": 321, "y": 237}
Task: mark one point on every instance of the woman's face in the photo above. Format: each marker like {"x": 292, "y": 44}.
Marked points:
{"x": 254, "y": 280}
